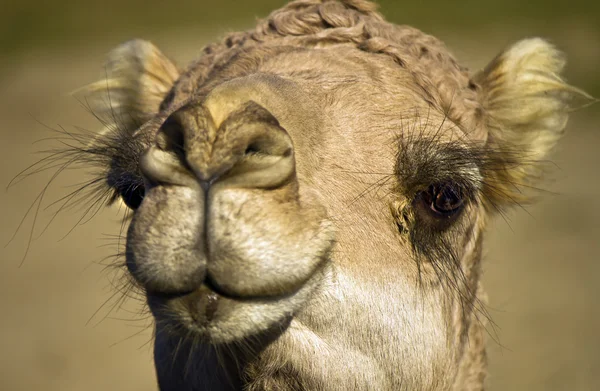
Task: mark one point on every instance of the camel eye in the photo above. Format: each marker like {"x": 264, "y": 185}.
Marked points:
{"x": 129, "y": 187}
{"x": 133, "y": 196}
{"x": 130, "y": 190}
{"x": 443, "y": 200}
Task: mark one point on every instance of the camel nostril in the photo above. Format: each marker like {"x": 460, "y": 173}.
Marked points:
{"x": 262, "y": 147}
{"x": 171, "y": 138}
{"x": 252, "y": 149}
{"x": 265, "y": 144}
{"x": 166, "y": 162}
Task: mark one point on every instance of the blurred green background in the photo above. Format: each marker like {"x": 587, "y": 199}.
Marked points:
{"x": 32, "y": 24}
{"x": 61, "y": 327}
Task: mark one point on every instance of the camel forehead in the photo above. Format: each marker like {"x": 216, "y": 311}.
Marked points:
{"x": 283, "y": 98}
{"x": 341, "y": 83}
{"x": 344, "y": 48}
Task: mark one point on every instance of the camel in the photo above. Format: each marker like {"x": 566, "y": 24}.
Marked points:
{"x": 310, "y": 197}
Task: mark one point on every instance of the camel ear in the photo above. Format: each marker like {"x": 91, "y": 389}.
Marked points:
{"x": 138, "y": 77}
{"x": 526, "y": 106}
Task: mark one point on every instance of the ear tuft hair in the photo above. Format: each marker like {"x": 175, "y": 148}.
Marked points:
{"x": 526, "y": 105}
{"x": 138, "y": 77}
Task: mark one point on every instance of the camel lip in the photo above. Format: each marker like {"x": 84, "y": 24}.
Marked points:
{"x": 213, "y": 318}
{"x": 213, "y": 286}
{"x": 201, "y": 308}
{"x": 210, "y": 288}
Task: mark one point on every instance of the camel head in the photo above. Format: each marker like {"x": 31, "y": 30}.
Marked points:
{"x": 309, "y": 197}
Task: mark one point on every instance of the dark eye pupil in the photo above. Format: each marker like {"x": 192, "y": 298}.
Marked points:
{"x": 133, "y": 196}
{"x": 447, "y": 199}
{"x": 444, "y": 199}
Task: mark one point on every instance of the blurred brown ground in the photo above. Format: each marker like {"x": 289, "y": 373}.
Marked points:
{"x": 56, "y": 334}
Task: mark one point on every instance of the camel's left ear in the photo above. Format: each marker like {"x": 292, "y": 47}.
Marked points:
{"x": 526, "y": 106}
{"x": 138, "y": 77}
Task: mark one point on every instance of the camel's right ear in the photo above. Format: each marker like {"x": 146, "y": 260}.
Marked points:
{"x": 138, "y": 77}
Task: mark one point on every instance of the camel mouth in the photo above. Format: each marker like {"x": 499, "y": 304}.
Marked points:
{"x": 210, "y": 287}
{"x": 213, "y": 316}
{"x": 238, "y": 274}
{"x": 200, "y": 305}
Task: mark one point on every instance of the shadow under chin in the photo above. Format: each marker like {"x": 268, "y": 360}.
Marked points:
{"x": 191, "y": 362}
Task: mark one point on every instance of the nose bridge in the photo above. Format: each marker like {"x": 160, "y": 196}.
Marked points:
{"x": 193, "y": 128}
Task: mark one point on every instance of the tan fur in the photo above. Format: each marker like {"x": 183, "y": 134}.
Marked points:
{"x": 287, "y": 163}
{"x": 527, "y": 105}
{"x": 138, "y": 76}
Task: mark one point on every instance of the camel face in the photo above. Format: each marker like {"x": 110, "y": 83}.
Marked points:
{"x": 315, "y": 191}
{"x": 257, "y": 191}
